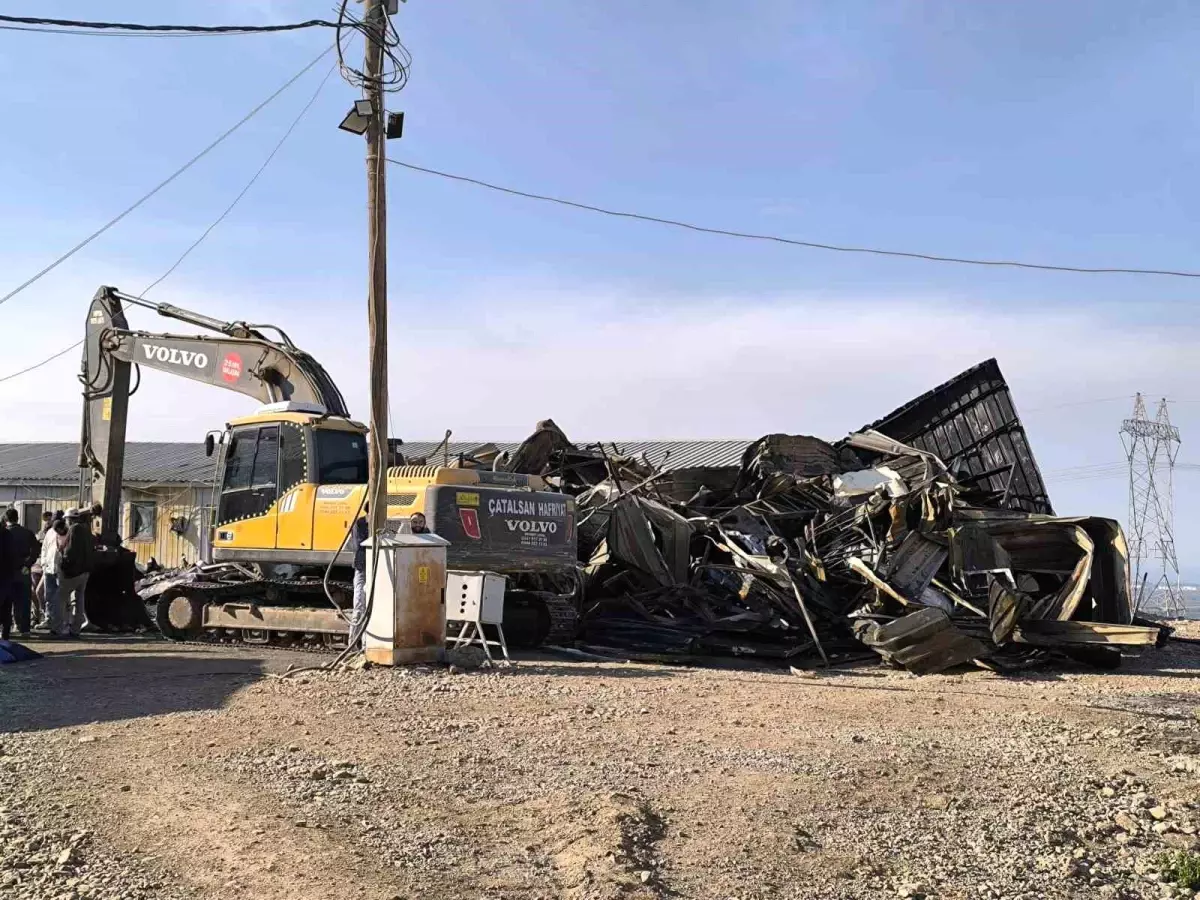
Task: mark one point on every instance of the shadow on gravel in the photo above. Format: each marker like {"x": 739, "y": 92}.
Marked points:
{"x": 79, "y": 687}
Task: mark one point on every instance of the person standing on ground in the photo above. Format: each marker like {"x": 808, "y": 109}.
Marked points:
{"x": 39, "y": 591}
{"x": 357, "y": 537}
{"x": 53, "y": 545}
{"x": 24, "y": 548}
{"x": 7, "y": 568}
{"x": 76, "y": 566}
{"x": 39, "y": 588}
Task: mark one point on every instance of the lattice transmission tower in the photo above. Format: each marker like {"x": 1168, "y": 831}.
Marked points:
{"x": 1151, "y": 446}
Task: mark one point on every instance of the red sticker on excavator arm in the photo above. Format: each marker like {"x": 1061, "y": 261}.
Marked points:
{"x": 231, "y": 367}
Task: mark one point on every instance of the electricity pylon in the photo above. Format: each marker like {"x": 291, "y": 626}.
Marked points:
{"x": 1151, "y": 447}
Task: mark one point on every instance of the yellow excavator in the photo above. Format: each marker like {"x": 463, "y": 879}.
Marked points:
{"x": 288, "y": 481}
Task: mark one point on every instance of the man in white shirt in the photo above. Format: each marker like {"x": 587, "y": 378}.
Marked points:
{"x": 51, "y": 562}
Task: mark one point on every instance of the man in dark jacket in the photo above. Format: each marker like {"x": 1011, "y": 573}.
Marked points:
{"x": 6, "y": 576}
{"x": 25, "y": 549}
{"x": 76, "y": 566}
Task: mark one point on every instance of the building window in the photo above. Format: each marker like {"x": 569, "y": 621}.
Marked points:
{"x": 143, "y": 517}
{"x": 31, "y": 516}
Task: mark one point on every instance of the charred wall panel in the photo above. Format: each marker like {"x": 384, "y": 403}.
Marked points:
{"x": 971, "y": 423}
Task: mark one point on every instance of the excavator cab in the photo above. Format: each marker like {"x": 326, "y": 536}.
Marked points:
{"x": 289, "y": 482}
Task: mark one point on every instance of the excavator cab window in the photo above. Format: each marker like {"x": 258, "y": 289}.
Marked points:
{"x": 292, "y": 470}
{"x": 251, "y": 466}
{"x": 341, "y": 457}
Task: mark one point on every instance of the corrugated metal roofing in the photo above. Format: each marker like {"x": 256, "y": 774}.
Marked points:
{"x": 185, "y": 463}
{"x": 668, "y": 454}
{"x": 145, "y": 463}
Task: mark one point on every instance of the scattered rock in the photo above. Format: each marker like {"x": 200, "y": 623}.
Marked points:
{"x": 1181, "y": 841}
{"x": 42, "y": 857}
{"x": 1126, "y": 822}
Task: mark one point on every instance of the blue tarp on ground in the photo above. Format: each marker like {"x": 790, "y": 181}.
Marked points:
{"x": 11, "y": 652}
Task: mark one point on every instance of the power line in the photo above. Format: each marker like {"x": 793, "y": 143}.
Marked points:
{"x": 1079, "y": 403}
{"x": 38, "y": 365}
{"x": 1086, "y": 468}
{"x": 75, "y": 26}
{"x": 79, "y": 32}
{"x": 187, "y": 165}
{"x": 207, "y": 231}
{"x": 813, "y": 245}
{"x": 249, "y": 184}
{"x": 396, "y": 60}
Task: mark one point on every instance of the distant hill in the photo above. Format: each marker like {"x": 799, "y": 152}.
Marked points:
{"x": 1191, "y": 600}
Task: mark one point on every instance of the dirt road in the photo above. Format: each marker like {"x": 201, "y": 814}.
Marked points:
{"x": 134, "y": 769}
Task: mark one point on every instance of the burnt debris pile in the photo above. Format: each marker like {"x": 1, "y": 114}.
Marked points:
{"x": 926, "y": 538}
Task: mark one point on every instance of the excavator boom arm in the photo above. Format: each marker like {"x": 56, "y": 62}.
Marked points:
{"x": 246, "y": 365}
{"x": 242, "y": 359}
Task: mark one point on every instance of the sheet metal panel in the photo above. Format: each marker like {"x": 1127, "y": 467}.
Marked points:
{"x": 972, "y": 424}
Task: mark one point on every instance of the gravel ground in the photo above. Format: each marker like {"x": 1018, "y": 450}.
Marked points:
{"x": 136, "y": 769}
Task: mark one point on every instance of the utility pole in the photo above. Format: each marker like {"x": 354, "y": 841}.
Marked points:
{"x": 376, "y": 22}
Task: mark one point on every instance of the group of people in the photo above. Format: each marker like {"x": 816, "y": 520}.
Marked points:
{"x": 43, "y": 577}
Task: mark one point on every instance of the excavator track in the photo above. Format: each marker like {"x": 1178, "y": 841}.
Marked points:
{"x": 180, "y": 613}
{"x": 274, "y": 612}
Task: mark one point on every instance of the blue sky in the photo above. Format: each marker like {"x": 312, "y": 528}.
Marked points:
{"x": 1040, "y": 131}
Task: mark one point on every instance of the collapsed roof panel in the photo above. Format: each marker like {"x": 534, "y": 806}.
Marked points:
{"x": 970, "y": 422}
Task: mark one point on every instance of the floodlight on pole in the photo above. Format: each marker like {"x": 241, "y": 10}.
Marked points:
{"x": 358, "y": 120}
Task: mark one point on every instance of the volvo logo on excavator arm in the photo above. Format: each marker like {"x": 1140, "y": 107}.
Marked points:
{"x": 175, "y": 356}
